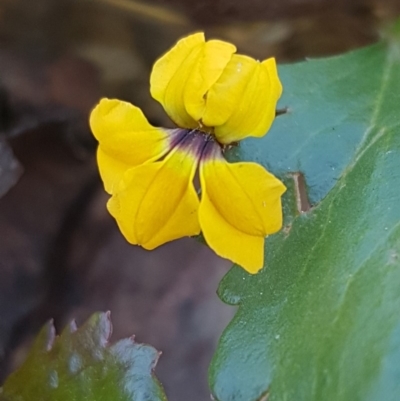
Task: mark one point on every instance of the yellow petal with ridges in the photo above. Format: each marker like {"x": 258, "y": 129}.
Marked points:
{"x": 248, "y": 91}
{"x": 111, "y": 170}
{"x": 125, "y": 138}
{"x": 270, "y": 64}
{"x": 226, "y": 241}
{"x": 156, "y": 202}
{"x": 211, "y": 62}
{"x": 167, "y": 65}
{"x": 240, "y": 205}
{"x": 225, "y": 95}
{"x": 170, "y": 74}
{"x": 173, "y": 101}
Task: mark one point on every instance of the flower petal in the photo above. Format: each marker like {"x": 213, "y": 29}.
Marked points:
{"x": 243, "y": 101}
{"x": 156, "y": 202}
{"x": 169, "y": 75}
{"x": 167, "y": 65}
{"x": 111, "y": 170}
{"x": 181, "y": 78}
{"x": 126, "y": 139}
{"x": 240, "y": 205}
{"x": 210, "y": 64}
{"x": 224, "y": 97}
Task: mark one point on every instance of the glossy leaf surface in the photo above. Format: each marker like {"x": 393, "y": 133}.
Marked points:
{"x": 321, "y": 321}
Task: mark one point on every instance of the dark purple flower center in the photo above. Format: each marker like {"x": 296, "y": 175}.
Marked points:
{"x": 199, "y": 143}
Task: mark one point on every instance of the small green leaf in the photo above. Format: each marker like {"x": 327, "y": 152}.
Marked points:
{"x": 80, "y": 365}
{"x": 322, "y": 320}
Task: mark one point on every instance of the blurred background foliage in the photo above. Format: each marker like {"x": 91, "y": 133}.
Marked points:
{"x": 61, "y": 255}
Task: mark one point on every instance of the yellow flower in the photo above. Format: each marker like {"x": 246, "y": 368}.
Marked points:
{"x": 215, "y": 97}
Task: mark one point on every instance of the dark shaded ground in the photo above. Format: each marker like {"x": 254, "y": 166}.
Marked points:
{"x": 61, "y": 254}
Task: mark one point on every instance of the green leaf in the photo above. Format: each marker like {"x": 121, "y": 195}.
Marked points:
{"x": 80, "y": 365}
{"x": 321, "y": 321}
